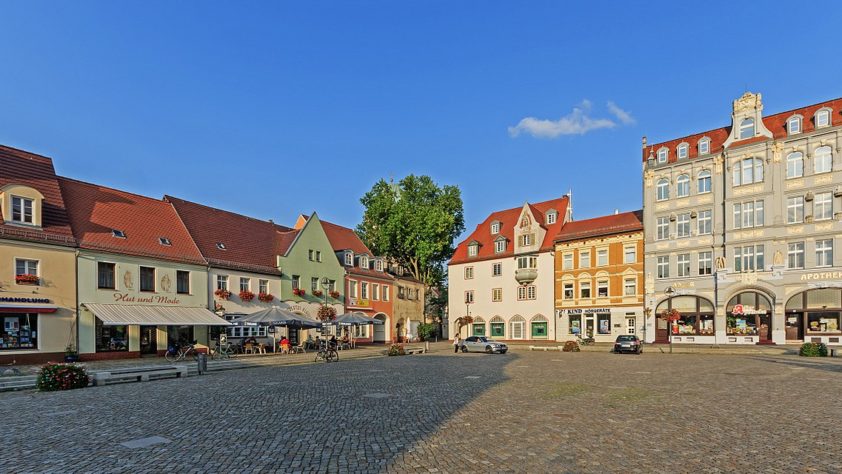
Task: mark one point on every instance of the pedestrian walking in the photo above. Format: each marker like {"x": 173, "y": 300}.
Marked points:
{"x": 456, "y": 341}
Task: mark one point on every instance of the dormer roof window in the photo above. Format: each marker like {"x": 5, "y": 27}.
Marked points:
{"x": 495, "y": 227}
{"x": 500, "y": 244}
{"x": 220, "y": 246}
{"x": 747, "y": 128}
{"x": 22, "y": 210}
{"x": 663, "y": 154}
{"x": 118, "y": 233}
{"x": 349, "y": 259}
{"x": 793, "y": 125}
{"x": 164, "y": 241}
{"x": 822, "y": 118}
{"x": 704, "y": 146}
{"x": 378, "y": 265}
{"x": 363, "y": 262}
{"x": 552, "y": 216}
{"x": 473, "y": 249}
{"x": 681, "y": 151}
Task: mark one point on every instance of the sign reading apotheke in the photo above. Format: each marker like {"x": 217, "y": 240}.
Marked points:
{"x": 156, "y": 299}
{"x": 585, "y": 310}
{"x": 822, "y": 276}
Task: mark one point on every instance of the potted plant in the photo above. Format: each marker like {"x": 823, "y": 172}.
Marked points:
{"x": 246, "y": 296}
{"x": 26, "y": 279}
{"x": 222, "y": 294}
{"x": 266, "y": 297}
{"x": 334, "y": 294}
{"x": 70, "y": 354}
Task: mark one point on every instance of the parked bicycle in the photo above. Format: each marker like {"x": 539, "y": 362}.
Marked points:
{"x": 585, "y": 341}
{"x": 178, "y": 353}
{"x": 327, "y": 353}
{"x": 224, "y": 351}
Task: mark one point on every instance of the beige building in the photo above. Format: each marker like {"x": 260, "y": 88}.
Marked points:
{"x": 408, "y": 307}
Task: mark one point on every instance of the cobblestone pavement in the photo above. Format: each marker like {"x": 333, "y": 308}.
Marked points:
{"x": 519, "y": 412}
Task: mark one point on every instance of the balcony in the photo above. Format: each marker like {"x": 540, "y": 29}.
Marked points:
{"x": 524, "y": 276}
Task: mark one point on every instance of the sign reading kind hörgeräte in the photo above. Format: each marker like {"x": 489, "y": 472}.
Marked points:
{"x": 587, "y": 310}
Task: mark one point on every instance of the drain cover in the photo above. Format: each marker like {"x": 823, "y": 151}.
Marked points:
{"x": 144, "y": 442}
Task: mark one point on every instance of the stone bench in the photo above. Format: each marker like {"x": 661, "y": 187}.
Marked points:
{"x": 414, "y": 350}
{"x": 545, "y": 348}
{"x": 138, "y": 375}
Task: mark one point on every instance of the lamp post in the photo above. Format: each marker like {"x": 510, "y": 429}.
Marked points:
{"x": 670, "y": 291}
{"x": 467, "y": 316}
{"x": 325, "y": 286}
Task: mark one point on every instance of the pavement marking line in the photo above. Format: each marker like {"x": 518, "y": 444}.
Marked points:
{"x": 144, "y": 442}
{"x": 472, "y": 377}
{"x": 377, "y": 395}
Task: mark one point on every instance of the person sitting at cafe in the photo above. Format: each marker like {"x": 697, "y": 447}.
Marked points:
{"x": 284, "y": 345}
{"x": 333, "y": 341}
{"x": 310, "y": 343}
{"x": 250, "y": 340}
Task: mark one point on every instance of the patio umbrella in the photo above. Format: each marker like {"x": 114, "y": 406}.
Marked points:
{"x": 355, "y": 319}
{"x": 277, "y": 316}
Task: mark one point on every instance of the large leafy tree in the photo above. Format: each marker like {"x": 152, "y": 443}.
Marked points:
{"x": 413, "y": 223}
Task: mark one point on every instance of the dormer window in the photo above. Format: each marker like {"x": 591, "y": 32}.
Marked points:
{"x": 663, "y": 154}
{"x": 118, "y": 233}
{"x": 22, "y": 210}
{"x": 349, "y": 259}
{"x": 552, "y": 216}
{"x": 681, "y": 152}
{"x": 793, "y": 125}
{"x": 473, "y": 249}
{"x": 822, "y": 118}
{"x": 704, "y": 146}
{"x": 500, "y": 246}
{"x": 220, "y": 246}
{"x": 378, "y": 265}
{"x": 164, "y": 241}
{"x": 363, "y": 262}
{"x": 747, "y": 128}
{"x": 495, "y": 228}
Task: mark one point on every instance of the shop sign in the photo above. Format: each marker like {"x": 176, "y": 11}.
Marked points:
{"x": 127, "y": 298}
{"x": 9, "y": 299}
{"x": 740, "y": 309}
{"x": 573, "y": 311}
{"x": 822, "y": 276}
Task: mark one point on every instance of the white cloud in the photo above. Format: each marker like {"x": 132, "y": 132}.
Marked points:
{"x": 577, "y": 122}
{"x": 624, "y": 117}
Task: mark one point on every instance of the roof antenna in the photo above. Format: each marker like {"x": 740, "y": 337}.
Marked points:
{"x": 569, "y": 216}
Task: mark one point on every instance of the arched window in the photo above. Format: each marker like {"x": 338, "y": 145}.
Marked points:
{"x": 748, "y": 171}
{"x": 822, "y": 118}
{"x": 516, "y": 327}
{"x": 795, "y": 165}
{"x": 749, "y": 314}
{"x": 815, "y": 312}
{"x": 663, "y": 189}
{"x": 747, "y": 128}
{"x": 498, "y": 327}
{"x": 539, "y": 327}
{"x": 822, "y": 160}
{"x": 703, "y": 182}
{"x": 478, "y": 327}
{"x": 695, "y": 317}
{"x": 682, "y": 186}
{"x": 793, "y": 125}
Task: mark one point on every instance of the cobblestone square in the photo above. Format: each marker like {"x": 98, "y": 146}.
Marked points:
{"x": 440, "y": 412}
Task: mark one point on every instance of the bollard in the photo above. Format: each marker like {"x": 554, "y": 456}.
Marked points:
{"x": 202, "y": 362}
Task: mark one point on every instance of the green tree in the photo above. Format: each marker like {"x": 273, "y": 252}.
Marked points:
{"x": 413, "y": 223}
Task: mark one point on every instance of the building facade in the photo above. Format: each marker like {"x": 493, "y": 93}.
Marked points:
{"x": 37, "y": 262}
{"x": 408, "y": 306}
{"x": 599, "y": 277}
{"x": 502, "y": 275}
{"x": 741, "y": 224}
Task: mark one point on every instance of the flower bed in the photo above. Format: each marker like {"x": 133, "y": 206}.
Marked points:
{"x": 54, "y": 377}
{"x": 396, "y": 350}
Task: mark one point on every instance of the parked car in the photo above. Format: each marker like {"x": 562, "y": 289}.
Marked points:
{"x": 628, "y": 343}
{"x": 483, "y": 344}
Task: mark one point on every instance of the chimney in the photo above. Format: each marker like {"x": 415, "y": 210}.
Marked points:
{"x": 616, "y": 211}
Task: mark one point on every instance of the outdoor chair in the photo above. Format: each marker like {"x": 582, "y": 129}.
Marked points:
{"x": 299, "y": 349}
{"x": 248, "y": 348}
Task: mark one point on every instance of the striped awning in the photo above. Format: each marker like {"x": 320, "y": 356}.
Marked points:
{"x": 122, "y": 314}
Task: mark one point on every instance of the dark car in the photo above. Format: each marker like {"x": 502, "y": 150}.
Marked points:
{"x": 628, "y": 343}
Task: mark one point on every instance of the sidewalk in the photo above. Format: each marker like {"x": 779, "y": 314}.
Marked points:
{"x": 723, "y": 349}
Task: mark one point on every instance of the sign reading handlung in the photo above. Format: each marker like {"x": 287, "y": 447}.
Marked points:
{"x": 9, "y": 299}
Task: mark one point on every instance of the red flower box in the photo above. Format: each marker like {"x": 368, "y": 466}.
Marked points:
{"x": 246, "y": 295}
{"x": 334, "y": 294}
{"x": 223, "y": 294}
{"x": 298, "y": 292}
{"x": 266, "y": 297}
{"x": 26, "y": 279}
{"x": 317, "y": 293}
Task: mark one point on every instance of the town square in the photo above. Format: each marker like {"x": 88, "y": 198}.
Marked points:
{"x": 438, "y": 236}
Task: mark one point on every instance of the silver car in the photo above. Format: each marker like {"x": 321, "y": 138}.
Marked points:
{"x": 483, "y": 344}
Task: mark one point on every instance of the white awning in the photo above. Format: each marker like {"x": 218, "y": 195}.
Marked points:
{"x": 121, "y": 314}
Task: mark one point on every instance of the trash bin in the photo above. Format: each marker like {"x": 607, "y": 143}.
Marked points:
{"x": 202, "y": 362}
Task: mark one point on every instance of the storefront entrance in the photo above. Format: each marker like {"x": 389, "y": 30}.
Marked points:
{"x": 750, "y": 314}
{"x": 590, "y": 324}
{"x": 815, "y": 316}
{"x": 695, "y": 318}
{"x": 149, "y": 340}
{"x": 795, "y": 327}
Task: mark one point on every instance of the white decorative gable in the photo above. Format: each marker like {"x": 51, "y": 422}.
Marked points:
{"x": 747, "y": 110}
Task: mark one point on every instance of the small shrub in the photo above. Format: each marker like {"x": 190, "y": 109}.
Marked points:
{"x": 813, "y": 349}
{"x": 571, "y": 346}
{"x": 427, "y": 331}
{"x": 396, "y": 350}
{"x": 54, "y": 377}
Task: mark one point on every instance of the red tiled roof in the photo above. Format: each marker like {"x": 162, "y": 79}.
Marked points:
{"x": 250, "y": 244}
{"x": 775, "y": 123}
{"x": 357, "y": 271}
{"x": 343, "y": 238}
{"x": 37, "y": 172}
{"x": 508, "y": 219}
{"x": 601, "y": 226}
{"x": 95, "y": 211}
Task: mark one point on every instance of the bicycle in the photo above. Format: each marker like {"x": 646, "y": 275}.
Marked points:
{"x": 222, "y": 352}
{"x": 585, "y": 341}
{"x": 327, "y": 354}
{"x": 178, "y": 353}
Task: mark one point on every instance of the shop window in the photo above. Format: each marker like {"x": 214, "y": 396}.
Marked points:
{"x": 20, "y": 331}
{"x": 498, "y": 330}
{"x": 111, "y": 338}
{"x": 105, "y": 275}
{"x": 182, "y": 279}
{"x": 696, "y": 315}
{"x": 539, "y": 330}
{"x": 747, "y": 314}
{"x": 826, "y": 322}
{"x": 478, "y": 329}
{"x": 603, "y": 323}
{"x": 575, "y": 325}
{"x": 22, "y": 210}
{"x": 147, "y": 279}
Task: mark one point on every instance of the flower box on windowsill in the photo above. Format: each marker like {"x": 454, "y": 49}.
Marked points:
{"x": 27, "y": 279}
{"x": 334, "y": 294}
{"x": 298, "y": 292}
{"x": 266, "y": 297}
{"x": 222, "y": 294}
{"x": 246, "y": 295}
{"x": 317, "y": 293}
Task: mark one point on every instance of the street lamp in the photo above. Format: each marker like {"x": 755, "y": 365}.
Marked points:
{"x": 325, "y": 287}
{"x": 670, "y": 292}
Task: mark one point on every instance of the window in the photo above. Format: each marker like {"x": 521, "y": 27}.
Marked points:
{"x": 164, "y": 241}
{"x": 682, "y": 186}
{"x": 147, "y": 279}
{"x": 22, "y": 210}
{"x": 748, "y": 171}
{"x": 526, "y": 240}
{"x": 663, "y": 228}
{"x": 704, "y": 146}
{"x": 630, "y": 254}
{"x": 110, "y": 338}
{"x": 746, "y": 128}
{"x": 602, "y": 257}
{"x": 220, "y": 246}
{"x": 824, "y": 253}
{"x": 349, "y": 259}
{"x": 630, "y": 287}
{"x": 296, "y": 282}
{"x": 602, "y": 288}
{"x": 663, "y": 154}
{"x": 604, "y": 323}
{"x": 331, "y": 285}
{"x": 118, "y": 233}
{"x": 682, "y": 225}
{"x": 822, "y": 160}
{"x": 682, "y": 151}
{"x": 552, "y": 216}
{"x": 704, "y": 222}
{"x": 527, "y": 262}
{"x": 245, "y": 284}
{"x": 823, "y": 206}
{"x": 363, "y": 262}
{"x": 352, "y": 288}
{"x": 222, "y": 282}
{"x": 795, "y": 255}
{"x": 794, "y": 165}
{"x": 499, "y": 246}
{"x": 182, "y": 282}
{"x": 664, "y": 267}
{"x": 822, "y": 118}
{"x": 375, "y": 292}
{"x": 495, "y": 228}
{"x": 567, "y": 261}
{"x": 469, "y": 296}
{"x": 496, "y": 295}
{"x": 311, "y": 255}
{"x": 469, "y": 273}
{"x": 385, "y": 293}
{"x": 364, "y": 290}
{"x": 584, "y": 289}
{"x": 748, "y": 258}
{"x": 26, "y": 267}
{"x": 496, "y": 269}
{"x": 748, "y": 214}
{"x": 472, "y": 250}
{"x": 568, "y": 291}
{"x": 263, "y": 286}
{"x": 314, "y": 284}
{"x": 19, "y": 331}
{"x": 584, "y": 259}
{"x": 663, "y": 190}
{"x": 378, "y": 265}
{"x": 705, "y": 263}
{"x": 795, "y": 210}
{"x": 793, "y": 125}
{"x": 683, "y": 264}
{"x": 703, "y": 182}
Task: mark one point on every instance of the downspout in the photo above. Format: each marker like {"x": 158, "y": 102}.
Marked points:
{"x": 724, "y": 235}
{"x": 78, "y": 315}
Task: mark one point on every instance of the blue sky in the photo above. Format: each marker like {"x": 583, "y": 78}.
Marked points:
{"x": 277, "y": 108}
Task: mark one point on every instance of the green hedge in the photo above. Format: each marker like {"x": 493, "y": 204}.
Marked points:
{"x": 813, "y": 349}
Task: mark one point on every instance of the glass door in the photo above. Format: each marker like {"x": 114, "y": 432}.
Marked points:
{"x": 589, "y": 325}
{"x": 149, "y": 340}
